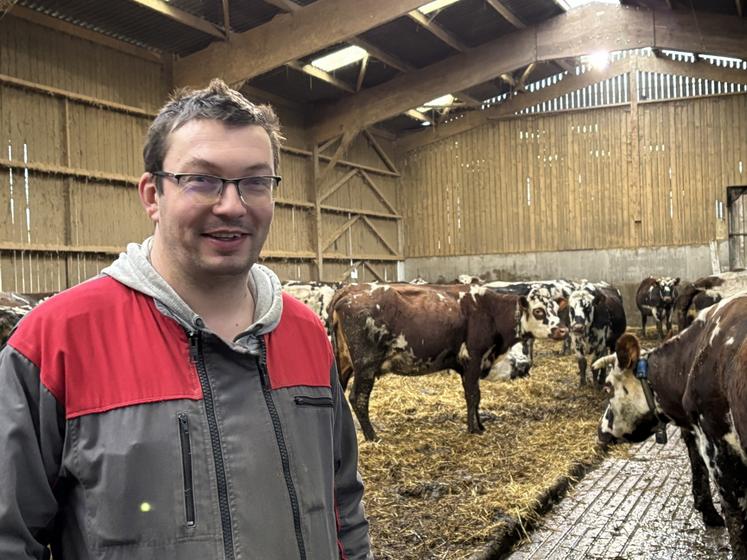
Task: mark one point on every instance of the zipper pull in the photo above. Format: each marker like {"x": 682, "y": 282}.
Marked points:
{"x": 193, "y": 346}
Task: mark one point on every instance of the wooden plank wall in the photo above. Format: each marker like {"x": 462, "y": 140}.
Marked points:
{"x": 59, "y": 227}
{"x": 69, "y": 205}
{"x": 568, "y": 180}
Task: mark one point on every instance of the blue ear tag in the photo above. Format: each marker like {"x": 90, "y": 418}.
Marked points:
{"x": 641, "y": 369}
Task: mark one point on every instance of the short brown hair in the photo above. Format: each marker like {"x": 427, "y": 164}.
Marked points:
{"x": 215, "y": 102}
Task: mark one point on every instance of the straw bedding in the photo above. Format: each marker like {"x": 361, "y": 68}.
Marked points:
{"x": 435, "y": 491}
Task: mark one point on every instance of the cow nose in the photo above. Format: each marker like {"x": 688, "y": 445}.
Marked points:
{"x": 558, "y": 333}
{"x": 578, "y": 328}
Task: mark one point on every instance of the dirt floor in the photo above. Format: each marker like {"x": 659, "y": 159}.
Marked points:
{"x": 433, "y": 491}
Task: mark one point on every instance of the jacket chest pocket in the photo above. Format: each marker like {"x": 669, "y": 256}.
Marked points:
{"x": 323, "y": 401}
{"x": 145, "y": 473}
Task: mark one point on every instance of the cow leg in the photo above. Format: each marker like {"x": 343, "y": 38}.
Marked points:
{"x": 700, "y": 483}
{"x": 470, "y": 382}
{"x": 581, "y": 360}
{"x": 659, "y": 329}
{"x": 736, "y": 524}
{"x": 359, "y": 397}
{"x": 730, "y": 474}
{"x": 566, "y": 346}
{"x": 643, "y": 324}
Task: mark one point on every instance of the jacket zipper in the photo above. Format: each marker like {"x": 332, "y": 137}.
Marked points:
{"x": 302, "y": 400}
{"x": 195, "y": 350}
{"x": 267, "y": 392}
{"x": 189, "y": 498}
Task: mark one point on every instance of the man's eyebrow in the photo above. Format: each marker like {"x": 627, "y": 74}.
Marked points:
{"x": 210, "y": 167}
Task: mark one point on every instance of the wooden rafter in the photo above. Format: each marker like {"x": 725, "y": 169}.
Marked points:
{"x": 572, "y": 34}
{"x": 417, "y": 115}
{"x": 448, "y": 38}
{"x": 522, "y": 81}
{"x": 334, "y": 188}
{"x": 339, "y": 231}
{"x": 380, "y": 151}
{"x": 320, "y": 74}
{"x": 345, "y": 140}
{"x": 507, "y": 14}
{"x": 377, "y": 233}
{"x": 367, "y": 178}
{"x": 573, "y": 83}
{"x": 226, "y": 16}
{"x": 361, "y": 73}
{"x": 263, "y": 96}
{"x": 262, "y": 48}
{"x": 77, "y": 31}
{"x": 185, "y": 18}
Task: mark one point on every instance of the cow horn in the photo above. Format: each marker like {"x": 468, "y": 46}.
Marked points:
{"x": 603, "y": 362}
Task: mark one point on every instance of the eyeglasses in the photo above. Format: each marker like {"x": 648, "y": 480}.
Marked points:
{"x": 256, "y": 191}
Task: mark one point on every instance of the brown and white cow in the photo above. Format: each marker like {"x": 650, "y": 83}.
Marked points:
{"x": 414, "y": 330}
{"x": 315, "y": 295}
{"x": 705, "y": 292}
{"x": 698, "y": 381}
{"x": 655, "y": 298}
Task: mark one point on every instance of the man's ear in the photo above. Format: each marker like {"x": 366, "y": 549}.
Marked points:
{"x": 149, "y": 195}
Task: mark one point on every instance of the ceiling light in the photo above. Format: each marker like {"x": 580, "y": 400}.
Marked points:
{"x": 338, "y": 59}
{"x": 435, "y": 5}
{"x": 443, "y": 101}
{"x": 599, "y": 60}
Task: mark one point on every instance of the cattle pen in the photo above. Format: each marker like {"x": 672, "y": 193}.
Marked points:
{"x": 515, "y": 171}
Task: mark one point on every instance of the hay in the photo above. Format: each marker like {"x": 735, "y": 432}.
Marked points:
{"x": 434, "y": 491}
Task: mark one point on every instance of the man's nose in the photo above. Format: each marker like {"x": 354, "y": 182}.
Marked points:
{"x": 230, "y": 202}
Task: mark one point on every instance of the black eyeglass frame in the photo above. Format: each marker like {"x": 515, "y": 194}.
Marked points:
{"x": 177, "y": 177}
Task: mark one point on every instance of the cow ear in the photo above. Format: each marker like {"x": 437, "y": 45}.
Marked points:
{"x": 523, "y": 303}
{"x": 598, "y": 298}
{"x": 628, "y": 351}
{"x": 676, "y": 281}
{"x": 562, "y": 303}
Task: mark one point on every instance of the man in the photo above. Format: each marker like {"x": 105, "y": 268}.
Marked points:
{"x": 178, "y": 406}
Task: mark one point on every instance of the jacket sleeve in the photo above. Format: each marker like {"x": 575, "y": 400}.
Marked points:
{"x": 352, "y": 525}
{"x": 31, "y": 439}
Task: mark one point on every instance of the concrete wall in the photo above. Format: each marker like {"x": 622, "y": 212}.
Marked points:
{"x": 623, "y": 268}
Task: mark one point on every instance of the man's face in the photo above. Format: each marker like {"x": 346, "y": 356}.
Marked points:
{"x": 200, "y": 243}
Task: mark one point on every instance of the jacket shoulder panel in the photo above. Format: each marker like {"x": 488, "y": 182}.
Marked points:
{"x": 298, "y": 351}
{"x": 101, "y": 345}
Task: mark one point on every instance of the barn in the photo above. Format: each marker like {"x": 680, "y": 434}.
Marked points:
{"x": 508, "y": 140}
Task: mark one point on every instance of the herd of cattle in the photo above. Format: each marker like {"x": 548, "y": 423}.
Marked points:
{"x": 696, "y": 379}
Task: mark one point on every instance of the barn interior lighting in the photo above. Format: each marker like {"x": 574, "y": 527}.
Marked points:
{"x": 570, "y": 4}
{"x": 435, "y": 5}
{"x": 438, "y": 102}
{"x": 338, "y": 59}
{"x": 599, "y": 60}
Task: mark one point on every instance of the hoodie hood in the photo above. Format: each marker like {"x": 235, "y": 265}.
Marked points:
{"x": 134, "y": 270}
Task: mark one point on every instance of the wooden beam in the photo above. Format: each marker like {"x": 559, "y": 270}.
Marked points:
{"x": 226, "y": 17}
{"x": 507, "y": 14}
{"x": 181, "y": 16}
{"x": 367, "y": 178}
{"x": 83, "y": 99}
{"x": 339, "y": 183}
{"x": 572, "y": 34}
{"x": 740, "y": 11}
{"x": 339, "y": 231}
{"x": 423, "y": 20}
{"x": 370, "y": 169}
{"x": 701, "y": 69}
{"x": 380, "y": 151}
{"x": 320, "y": 74}
{"x": 76, "y": 31}
{"x": 362, "y": 212}
{"x": 347, "y": 138}
{"x": 388, "y": 59}
{"x": 417, "y": 115}
{"x": 317, "y": 182}
{"x": 262, "y": 96}
{"x": 376, "y": 232}
{"x": 361, "y": 73}
{"x": 521, "y": 84}
{"x": 259, "y": 50}
{"x": 284, "y": 5}
{"x": 64, "y": 171}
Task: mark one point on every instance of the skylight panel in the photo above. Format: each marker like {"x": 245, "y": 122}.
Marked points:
{"x": 570, "y": 4}
{"x": 338, "y": 59}
{"x": 443, "y": 101}
{"x": 435, "y": 5}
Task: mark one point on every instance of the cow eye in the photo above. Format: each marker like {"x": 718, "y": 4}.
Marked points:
{"x": 539, "y": 313}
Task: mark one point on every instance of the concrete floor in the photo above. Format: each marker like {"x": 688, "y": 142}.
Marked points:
{"x": 639, "y": 508}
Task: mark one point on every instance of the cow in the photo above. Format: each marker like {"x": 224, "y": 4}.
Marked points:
{"x": 705, "y": 292}
{"x": 315, "y": 295}
{"x": 698, "y": 381}
{"x": 12, "y": 309}
{"x": 415, "y": 330}
{"x": 596, "y": 321}
{"x": 655, "y": 298}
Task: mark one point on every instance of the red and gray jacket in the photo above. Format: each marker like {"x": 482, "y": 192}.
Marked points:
{"x": 125, "y": 435}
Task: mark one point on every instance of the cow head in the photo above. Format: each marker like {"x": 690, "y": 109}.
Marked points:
{"x": 581, "y": 305}
{"x": 538, "y": 312}
{"x": 513, "y": 364}
{"x": 667, "y": 289}
{"x": 628, "y": 416}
